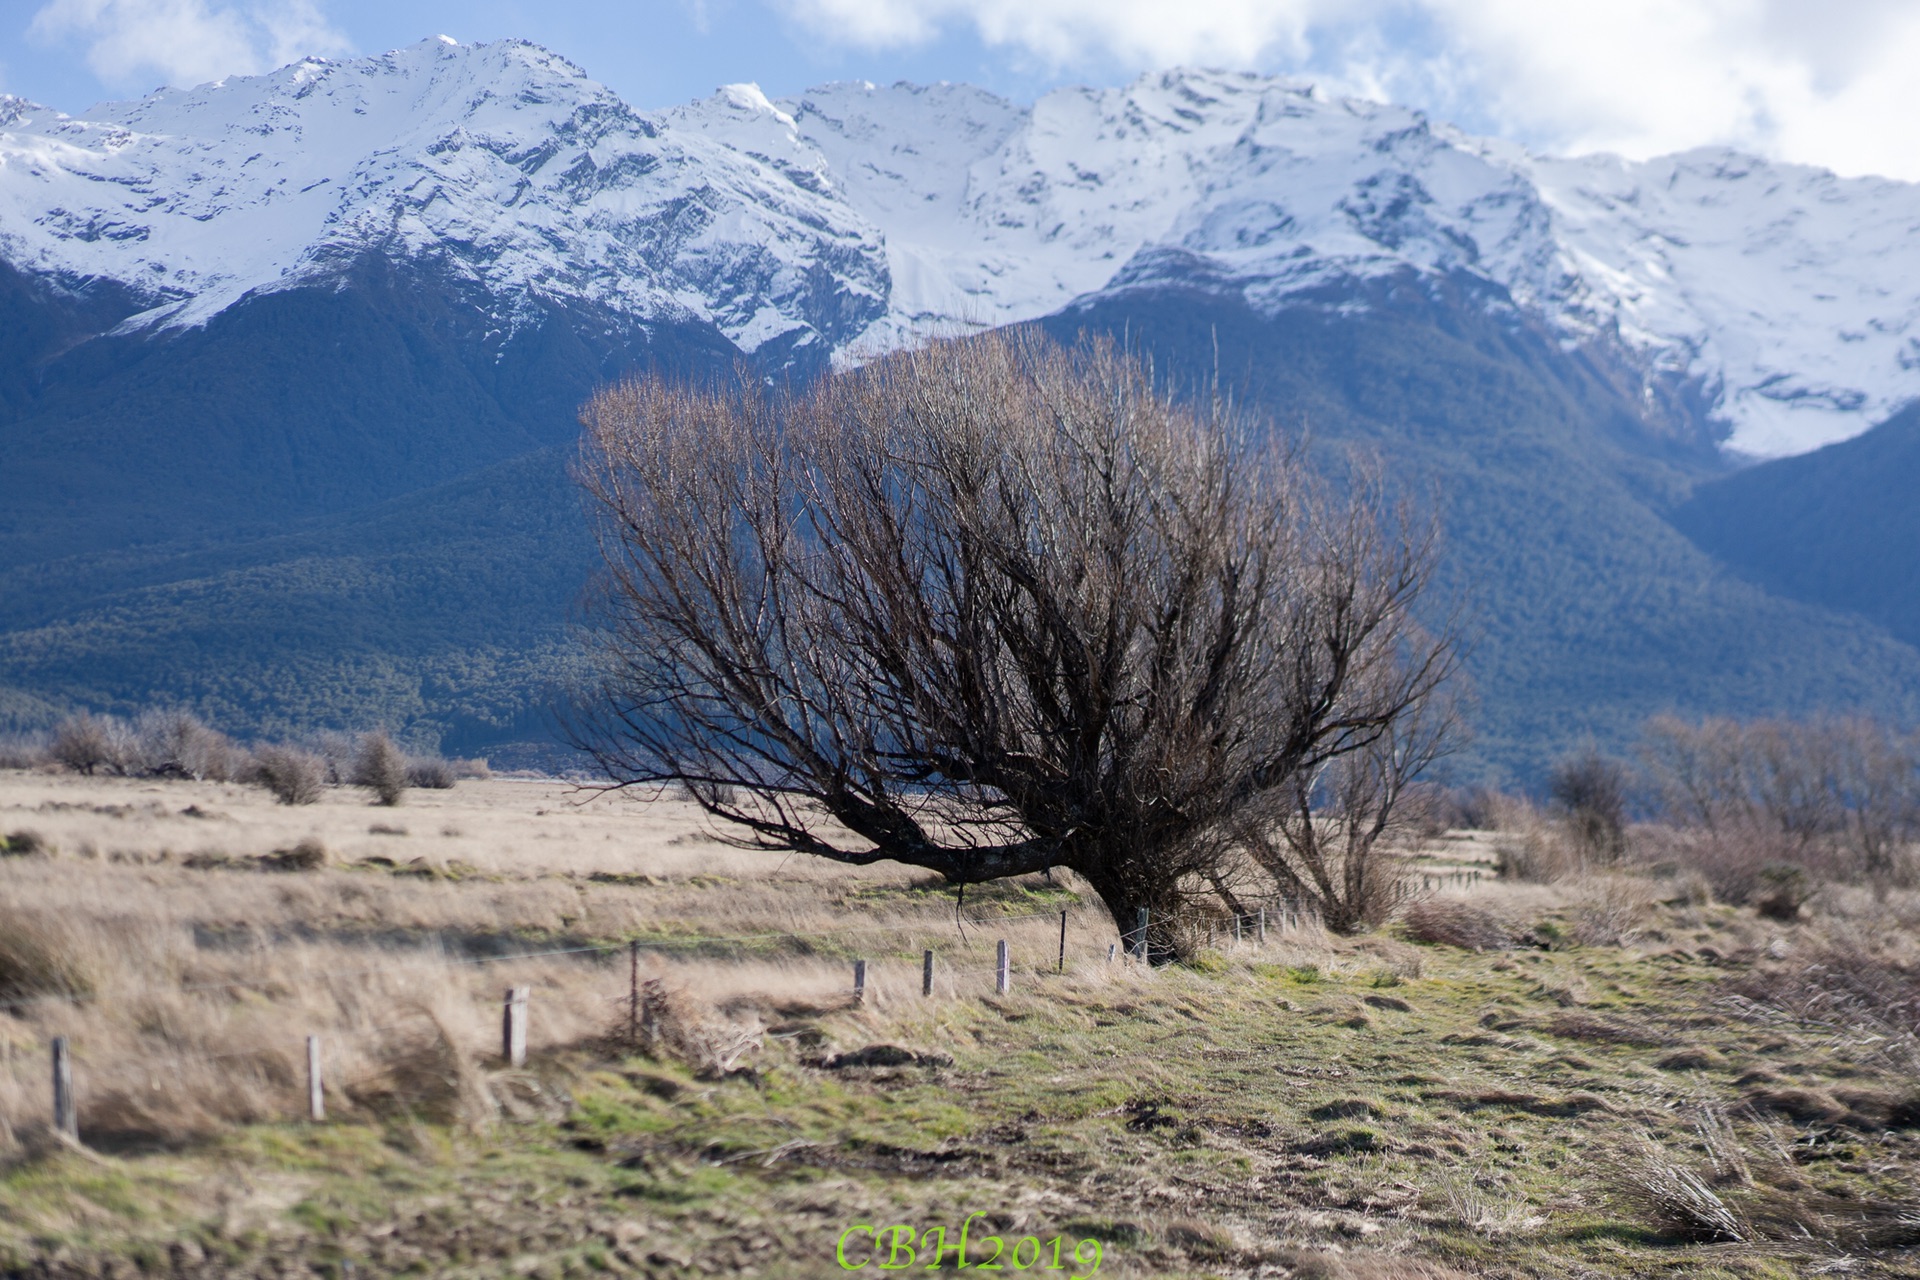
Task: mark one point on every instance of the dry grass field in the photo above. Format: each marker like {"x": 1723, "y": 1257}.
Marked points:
{"x": 1610, "y": 1078}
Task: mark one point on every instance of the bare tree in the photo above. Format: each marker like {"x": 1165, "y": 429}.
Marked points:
{"x": 1876, "y": 774}
{"x": 1837, "y": 796}
{"x": 1337, "y": 844}
{"x": 87, "y": 743}
{"x": 1698, "y": 771}
{"x": 178, "y": 744}
{"x": 987, "y": 608}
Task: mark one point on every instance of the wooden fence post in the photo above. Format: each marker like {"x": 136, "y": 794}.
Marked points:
{"x": 1140, "y": 918}
{"x": 513, "y": 1027}
{"x": 1003, "y": 971}
{"x": 1063, "y": 942}
{"x": 316, "y": 1090}
{"x": 1113, "y": 949}
{"x": 633, "y": 992}
{"x": 66, "y": 1119}
{"x": 926, "y": 974}
{"x": 1263, "y": 926}
{"x": 859, "y": 981}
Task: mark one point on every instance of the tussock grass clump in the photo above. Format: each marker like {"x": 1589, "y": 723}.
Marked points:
{"x": 1870, "y": 992}
{"x": 1455, "y": 923}
{"x": 40, "y": 955}
{"x": 309, "y": 854}
{"x": 1673, "y": 1199}
{"x": 431, "y": 1075}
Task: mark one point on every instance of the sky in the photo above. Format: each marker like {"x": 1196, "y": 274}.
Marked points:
{"x": 1824, "y": 82}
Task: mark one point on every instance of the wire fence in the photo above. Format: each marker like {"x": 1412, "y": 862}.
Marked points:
{"x": 321, "y": 1052}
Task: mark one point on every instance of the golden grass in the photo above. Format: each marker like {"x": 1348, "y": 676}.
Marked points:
{"x": 187, "y": 937}
{"x": 1321, "y": 1106}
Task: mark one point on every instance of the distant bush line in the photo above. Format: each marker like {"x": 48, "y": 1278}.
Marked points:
{"x": 178, "y": 744}
{"x": 1760, "y": 813}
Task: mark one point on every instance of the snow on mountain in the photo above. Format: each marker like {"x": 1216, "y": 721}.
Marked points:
{"x": 1786, "y": 301}
{"x": 502, "y": 162}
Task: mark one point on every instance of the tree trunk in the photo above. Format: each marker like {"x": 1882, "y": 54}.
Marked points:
{"x": 1124, "y": 889}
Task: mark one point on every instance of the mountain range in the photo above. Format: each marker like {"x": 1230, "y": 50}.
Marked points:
{"x": 289, "y": 364}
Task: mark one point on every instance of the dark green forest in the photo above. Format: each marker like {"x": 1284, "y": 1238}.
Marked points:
{"x": 351, "y": 507}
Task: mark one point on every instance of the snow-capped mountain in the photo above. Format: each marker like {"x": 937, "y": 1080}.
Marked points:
{"x": 1783, "y": 301}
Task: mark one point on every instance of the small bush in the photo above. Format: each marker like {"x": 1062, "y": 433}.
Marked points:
{"x": 294, "y": 776}
{"x": 1532, "y": 849}
{"x": 23, "y": 751}
{"x": 474, "y": 767}
{"x": 1784, "y": 890}
{"x": 1456, "y": 924}
{"x": 1744, "y": 865}
{"x": 1611, "y": 910}
{"x": 430, "y": 773}
{"x": 27, "y": 844}
{"x": 381, "y": 767}
{"x": 1590, "y": 793}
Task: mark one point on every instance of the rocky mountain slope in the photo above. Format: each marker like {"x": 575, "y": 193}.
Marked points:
{"x": 289, "y": 364}
{"x": 1774, "y": 305}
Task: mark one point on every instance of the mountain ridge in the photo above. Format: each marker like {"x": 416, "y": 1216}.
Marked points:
{"x": 1750, "y": 301}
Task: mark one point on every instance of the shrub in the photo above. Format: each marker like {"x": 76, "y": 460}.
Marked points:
{"x": 1535, "y": 853}
{"x": 381, "y": 767}
{"x": 23, "y": 751}
{"x": 431, "y": 773}
{"x": 1744, "y": 864}
{"x": 86, "y": 744}
{"x": 1784, "y": 890}
{"x": 294, "y": 776}
{"x": 474, "y": 767}
{"x": 1611, "y": 910}
{"x": 24, "y": 843}
{"x": 1590, "y": 792}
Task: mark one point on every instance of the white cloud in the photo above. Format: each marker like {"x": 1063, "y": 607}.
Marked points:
{"x": 1821, "y": 81}
{"x": 186, "y": 42}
